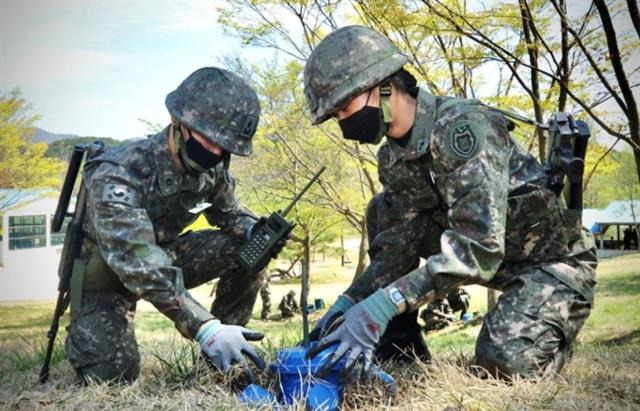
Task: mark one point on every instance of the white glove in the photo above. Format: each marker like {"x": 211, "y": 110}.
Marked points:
{"x": 227, "y": 344}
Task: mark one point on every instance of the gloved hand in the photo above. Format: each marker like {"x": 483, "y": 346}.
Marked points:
{"x": 358, "y": 333}
{"x": 226, "y": 344}
{"x": 324, "y": 326}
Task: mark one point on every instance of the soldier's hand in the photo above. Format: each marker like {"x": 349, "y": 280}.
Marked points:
{"x": 326, "y": 324}
{"x": 357, "y": 333}
{"x": 228, "y": 344}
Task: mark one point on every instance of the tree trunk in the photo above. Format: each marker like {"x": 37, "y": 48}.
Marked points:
{"x": 342, "y": 262}
{"x": 492, "y": 298}
{"x": 362, "y": 252}
{"x": 306, "y": 252}
{"x": 621, "y": 76}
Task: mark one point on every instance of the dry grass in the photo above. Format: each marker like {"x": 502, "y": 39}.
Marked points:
{"x": 604, "y": 373}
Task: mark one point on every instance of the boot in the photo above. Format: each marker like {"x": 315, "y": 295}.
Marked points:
{"x": 403, "y": 340}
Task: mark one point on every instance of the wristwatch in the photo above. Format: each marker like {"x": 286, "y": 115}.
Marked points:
{"x": 397, "y": 298}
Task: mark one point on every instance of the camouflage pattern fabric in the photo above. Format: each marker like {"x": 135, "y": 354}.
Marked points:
{"x": 464, "y": 184}
{"x": 330, "y": 79}
{"x": 531, "y": 330}
{"x": 402, "y": 339}
{"x": 219, "y": 105}
{"x": 138, "y": 204}
{"x": 265, "y": 296}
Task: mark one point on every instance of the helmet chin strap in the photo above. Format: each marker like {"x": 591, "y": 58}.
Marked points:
{"x": 385, "y": 107}
{"x": 181, "y": 146}
{"x": 385, "y": 101}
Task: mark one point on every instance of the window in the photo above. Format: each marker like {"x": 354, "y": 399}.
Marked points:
{"x": 58, "y": 238}
{"x": 27, "y": 232}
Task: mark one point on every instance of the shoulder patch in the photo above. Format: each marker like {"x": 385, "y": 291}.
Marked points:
{"x": 464, "y": 139}
{"x": 118, "y": 193}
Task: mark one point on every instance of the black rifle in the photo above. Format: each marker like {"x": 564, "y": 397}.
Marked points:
{"x": 72, "y": 240}
{"x": 568, "y": 140}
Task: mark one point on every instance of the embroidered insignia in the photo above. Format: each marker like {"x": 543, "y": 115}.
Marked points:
{"x": 464, "y": 140}
{"x": 116, "y": 193}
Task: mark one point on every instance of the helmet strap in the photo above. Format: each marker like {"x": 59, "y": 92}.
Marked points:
{"x": 191, "y": 166}
{"x": 385, "y": 101}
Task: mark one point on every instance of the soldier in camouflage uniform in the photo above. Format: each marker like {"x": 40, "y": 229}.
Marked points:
{"x": 288, "y": 305}
{"x": 437, "y": 315}
{"x": 141, "y": 196}
{"x": 265, "y": 296}
{"x": 461, "y": 193}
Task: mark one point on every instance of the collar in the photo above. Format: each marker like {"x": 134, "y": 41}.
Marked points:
{"x": 170, "y": 177}
{"x": 420, "y": 134}
{"x": 422, "y": 126}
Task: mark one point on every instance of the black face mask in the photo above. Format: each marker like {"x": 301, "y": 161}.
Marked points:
{"x": 365, "y": 125}
{"x": 197, "y": 159}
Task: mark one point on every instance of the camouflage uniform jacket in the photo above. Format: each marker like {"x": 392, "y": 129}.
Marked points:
{"x": 462, "y": 178}
{"x": 138, "y": 201}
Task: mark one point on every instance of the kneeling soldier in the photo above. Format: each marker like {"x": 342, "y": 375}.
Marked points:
{"x": 140, "y": 197}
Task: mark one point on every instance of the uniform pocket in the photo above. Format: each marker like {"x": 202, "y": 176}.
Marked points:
{"x": 536, "y": 230}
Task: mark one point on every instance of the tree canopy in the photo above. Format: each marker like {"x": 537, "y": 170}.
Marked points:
{"x": 23, "y": 164}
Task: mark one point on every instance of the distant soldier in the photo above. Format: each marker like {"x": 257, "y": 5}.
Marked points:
{"x": 288, "y": 305}
{"x": 460, "y": 192}
{"x": 265, "y": 296}
{"x": 140, "y": 197}
{"x": 459, "y": 301}
{"x": 437, "y": 315}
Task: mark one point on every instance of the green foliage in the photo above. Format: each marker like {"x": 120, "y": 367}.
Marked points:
{"x": 616, "y": 178}
{"x": 23, "y": 164}
{"x": 179, "y": 363}
{"x": 509, "y": 54}
{"x": 62, "y": 149}
{"x": 287, "y": 152}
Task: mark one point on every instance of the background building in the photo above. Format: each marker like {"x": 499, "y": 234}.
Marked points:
{"x": 29, "y": 251}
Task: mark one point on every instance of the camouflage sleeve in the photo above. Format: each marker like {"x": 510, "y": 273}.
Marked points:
{"x": 471, "y": 151}
{"x": 126, "y": 240}
{"x": 226, "y": 212}
{"x": 395, "y": 249}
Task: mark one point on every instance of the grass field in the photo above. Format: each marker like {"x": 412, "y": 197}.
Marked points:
{"x": 603, "y": 374}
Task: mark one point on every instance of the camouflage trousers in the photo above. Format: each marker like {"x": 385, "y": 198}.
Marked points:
{"x": 101, "y": 341}
{"x": 265, "y": 296}
{"x": 531, "y": 330}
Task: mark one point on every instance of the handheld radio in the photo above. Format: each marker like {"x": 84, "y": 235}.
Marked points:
{"x": 256, "y": 252}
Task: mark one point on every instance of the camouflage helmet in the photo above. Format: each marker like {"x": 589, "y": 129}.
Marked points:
{"x": 347, "y": 62}
{"x": 219, "y": 105}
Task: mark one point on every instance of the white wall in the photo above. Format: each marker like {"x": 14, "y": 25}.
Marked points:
{"x": 29, "y": 274}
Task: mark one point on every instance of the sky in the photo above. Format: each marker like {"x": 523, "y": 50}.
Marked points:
{"x": 94, "y": 68}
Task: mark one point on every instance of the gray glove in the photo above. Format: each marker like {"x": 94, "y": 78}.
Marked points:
{"x": 358, "y": 332}
{"x": 227, "y": 344}
{"x": 325, "y": 324}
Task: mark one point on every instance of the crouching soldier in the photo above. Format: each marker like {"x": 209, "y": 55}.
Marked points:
{"x": 461, "y": 193}
{"x": 140, "y": 197}
{"x": 288, "y": 305}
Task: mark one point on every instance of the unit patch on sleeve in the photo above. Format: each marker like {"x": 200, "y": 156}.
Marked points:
{"x": 464, "y": 139}
{"x": 117, "y": 193}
